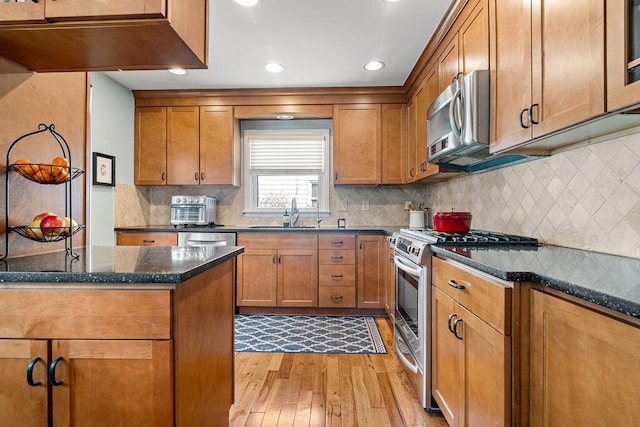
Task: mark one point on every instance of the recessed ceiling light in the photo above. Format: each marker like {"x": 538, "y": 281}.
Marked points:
{"x": 374, "y": 66}
{"x": 392, "y": 1}
{"x": 247, "y": 3}
{"x": 284, "y": 117}
{"x": 274, "y": 67}
{"x": 178, "y": 71}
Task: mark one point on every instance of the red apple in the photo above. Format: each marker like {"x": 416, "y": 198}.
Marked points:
{"x": 52, "y": 226}
{"x": 42, "y": 215}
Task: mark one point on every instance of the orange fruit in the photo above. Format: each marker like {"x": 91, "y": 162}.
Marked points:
{"x": 29, "y": 169}
{"x": 59, "y": 165}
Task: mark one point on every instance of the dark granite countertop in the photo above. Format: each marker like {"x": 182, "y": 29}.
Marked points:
{"x": 151, "y": 266}
{"x": 388, "y": 230}
{"x": 607, "y": 280}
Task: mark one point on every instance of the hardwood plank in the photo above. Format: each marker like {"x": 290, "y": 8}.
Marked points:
{"x": 303, "y": 409}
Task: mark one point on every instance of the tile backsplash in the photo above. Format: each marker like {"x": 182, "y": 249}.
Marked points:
{"x": 585, "y": 198}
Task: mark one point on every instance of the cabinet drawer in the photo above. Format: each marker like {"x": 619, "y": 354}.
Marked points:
{"x": 81, "y": 9}
{"x": 337, "y": 257}
{"x": 337, "y": 241}
{"x": 134, "y": 238}
{"x": 85, "y": 314}
{"x": 337, "y": 275}
{"x": 337, "y": 296}
{"x": 490, "y": 300}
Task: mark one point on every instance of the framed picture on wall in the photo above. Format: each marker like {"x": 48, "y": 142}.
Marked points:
{"x": 104, "y": 170}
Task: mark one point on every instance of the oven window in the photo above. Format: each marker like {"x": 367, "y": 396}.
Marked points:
{"x": 408, "y": 299}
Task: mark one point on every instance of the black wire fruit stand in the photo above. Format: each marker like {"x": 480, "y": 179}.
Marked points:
{"x": 47, "y": 174}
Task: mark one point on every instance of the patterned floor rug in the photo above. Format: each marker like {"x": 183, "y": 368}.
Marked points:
{"x": 307, "y": 334}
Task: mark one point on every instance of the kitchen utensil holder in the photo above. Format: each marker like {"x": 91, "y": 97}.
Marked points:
{"x": 416, "y": 219}
{"x": 23, "y": 170}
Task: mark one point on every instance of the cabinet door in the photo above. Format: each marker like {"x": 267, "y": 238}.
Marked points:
{"x": 431, "y": 92}
{"x": 257, "y": 277}
{"x": 446, "y": 375}
{"x": 623, "y": 54}
{"x": 112, "y": 383}
{"x": 28, "y": 11}
{"x": 151, "y": 146}
{"x": 219, "y": 147}
{"x": 357, "y": 147}
{"x": 75, "y": 9}
{"x": 580, "y": 359}
{"x": 20, "y": 403}
{"x": 297, "y": 278}
{"x": 412, "y": 138}
{"x": 570, "y": 33}
{"x": 394, "y": 143}
{"x": 371, "y": 258}
{"x": 448, "y": 67}
{"x": 183, "y": 146}
{"x": 135, "y": 238}
{"x": 511, "y": 79}
{"x": 486, "y": 365}
{"x": 474, "y": 39}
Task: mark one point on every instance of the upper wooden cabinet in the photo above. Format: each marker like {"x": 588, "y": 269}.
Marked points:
{"x": 394, "y": 143}
{"x": 186, "y": 146}
{"x": 357, "y": 144}
{"x": 80, "y": 35}
{"x": 548, "y": 71}
{"x": 623, "y": 54}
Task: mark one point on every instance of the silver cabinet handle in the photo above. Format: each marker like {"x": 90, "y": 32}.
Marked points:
{"x": 455, "y": 329}
{"x": 336, "y": 297}
{"x": 454, "y": 284}
{"x": 336, "y": 258}
{"x": 337, "y": 276}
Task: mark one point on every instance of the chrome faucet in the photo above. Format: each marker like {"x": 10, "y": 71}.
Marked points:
{"x": 295, "y": 214}
{"x": 318, "y": 219}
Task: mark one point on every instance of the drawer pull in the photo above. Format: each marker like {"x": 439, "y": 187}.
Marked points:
{"x": 337, "y": 276}
{"x": 337, "y": 242}
{"x": 148, "y": 241}
{"x": 455, "y": 329}
{"x": 454, "y": 284}
{"x": 336, "y": 297}
{"x": 449, "y": 320}
{"x": 30, "y": 372}
{"x": 52, "y": 372}
{"x": 336, "y": 258}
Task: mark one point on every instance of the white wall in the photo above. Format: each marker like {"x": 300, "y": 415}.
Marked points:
{"x": 112, "y": 132}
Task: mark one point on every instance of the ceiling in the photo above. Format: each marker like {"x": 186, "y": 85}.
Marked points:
{"x": 321, "y": 43}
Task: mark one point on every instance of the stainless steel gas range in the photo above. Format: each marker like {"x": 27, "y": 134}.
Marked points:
{"x": 412, "y": 328}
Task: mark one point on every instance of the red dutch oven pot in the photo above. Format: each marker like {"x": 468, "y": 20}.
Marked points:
{"x": 452, "y": 222}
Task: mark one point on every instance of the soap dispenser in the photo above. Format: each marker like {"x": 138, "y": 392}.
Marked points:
{"x": 286, "y": 221}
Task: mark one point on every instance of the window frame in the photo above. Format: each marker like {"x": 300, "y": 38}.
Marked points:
{"x": 251, "y": 180}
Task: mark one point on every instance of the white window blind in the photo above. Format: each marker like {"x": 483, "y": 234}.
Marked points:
{"x": 286, "y": 155}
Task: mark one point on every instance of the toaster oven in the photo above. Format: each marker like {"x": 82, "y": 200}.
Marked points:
{"x": 193, "y": 210}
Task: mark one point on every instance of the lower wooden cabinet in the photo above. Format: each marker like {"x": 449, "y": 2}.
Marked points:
{"x": 278, "y": 270}
{"x": 585, "y": 366}
{"x": 143, "y": 238}
{"x": 471, "y": 359}
{"x": 112, "y": 357}
{"x": 337, "y": 270}
{"x": 371, "y": 266}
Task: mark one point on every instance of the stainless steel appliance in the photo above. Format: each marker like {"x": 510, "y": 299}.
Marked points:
{"x": 193, "y": 210}
{"x": 199, "y": 246}
{"x": 458, "y": 126}
{"x": 412, "y": 325}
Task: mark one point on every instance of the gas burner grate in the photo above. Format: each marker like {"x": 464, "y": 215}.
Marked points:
{"x": 479, "y": 237}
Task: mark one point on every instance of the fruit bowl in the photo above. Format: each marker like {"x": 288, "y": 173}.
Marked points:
{"x": 36, "y": 234}
{"x": 46, "y": 173}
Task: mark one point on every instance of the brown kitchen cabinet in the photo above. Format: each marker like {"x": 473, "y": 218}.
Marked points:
{"x": 357, "y": 144}
{"x": 371, "y": 266}
{"x": 144, "y": 238}
{"x": 337, "y": 270}
{"x": 121, "y": 34}
{"x": 581, "y": 358}
{"x": 100, "y": 350}
{"x": 394, "y": 143}
{"x": 150, "y": 160}
{"x": 278, "y": 270}
{"x": 532, "y": 95}
{"x": 471, "y": 359}
{"x": 186, "y": 145}
{"x": 390, "y": 285}
{"x": 623, "y": 54}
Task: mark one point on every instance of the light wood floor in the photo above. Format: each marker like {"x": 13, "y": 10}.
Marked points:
{"x": 298, "y": 389}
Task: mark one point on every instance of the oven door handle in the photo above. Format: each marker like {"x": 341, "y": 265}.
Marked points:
{"x": 409, "y": 268}
{"x": 411, "y": 366}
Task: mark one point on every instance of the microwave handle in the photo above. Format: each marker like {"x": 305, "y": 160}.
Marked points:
{"x": 454, "y": 114}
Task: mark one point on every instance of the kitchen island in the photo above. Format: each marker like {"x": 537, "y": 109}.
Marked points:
{"x": 121, "y": 336}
